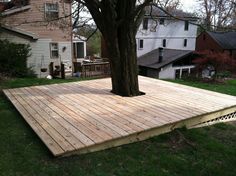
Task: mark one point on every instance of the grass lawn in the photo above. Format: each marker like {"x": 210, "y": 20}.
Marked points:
{"x": 196, "y": 152}
{"x": 229, "y": 87}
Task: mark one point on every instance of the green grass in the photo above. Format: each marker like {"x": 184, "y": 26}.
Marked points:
{"x": 229, "y": 87}
{"x": 196, "y": 152}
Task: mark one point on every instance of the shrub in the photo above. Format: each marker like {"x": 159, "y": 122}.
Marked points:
{"x": 221, "y": 63}
{"x": 13, "y": 59}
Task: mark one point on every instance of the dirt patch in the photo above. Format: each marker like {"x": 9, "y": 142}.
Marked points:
{"x": 232, "y": 123}
{"x": 214, "y": 81}
{"x": 179, "y": 141}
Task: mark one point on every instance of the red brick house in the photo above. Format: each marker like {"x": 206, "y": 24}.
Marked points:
{"x": 217, "y": 42}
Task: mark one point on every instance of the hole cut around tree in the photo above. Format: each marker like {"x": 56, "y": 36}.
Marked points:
{"x": 140, "y": 94}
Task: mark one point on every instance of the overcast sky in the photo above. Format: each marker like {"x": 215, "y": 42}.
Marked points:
{"x": 189, "y": 5}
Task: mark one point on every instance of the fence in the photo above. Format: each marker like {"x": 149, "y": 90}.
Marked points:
{"x": 93, "y": 69}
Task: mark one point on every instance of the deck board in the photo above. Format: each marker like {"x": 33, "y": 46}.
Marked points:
{"x": 82, "y": 117}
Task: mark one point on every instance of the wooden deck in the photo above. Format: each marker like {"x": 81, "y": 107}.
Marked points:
{"x": 82, "y": 117}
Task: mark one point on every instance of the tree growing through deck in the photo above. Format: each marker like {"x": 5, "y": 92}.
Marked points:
{"x": 118, "y": 22}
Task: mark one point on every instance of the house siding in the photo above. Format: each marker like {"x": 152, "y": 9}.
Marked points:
{"x": 57, "y": 32}
{"x": 171, "y": 43}
{"x": 206, "y": 42}
{"x": 174, "y": 33}
{"x": 40, "y": 53}
{"x": 40, "y": 49}
{"x": 167, "y": 72}
{"x": 33, "y": 20}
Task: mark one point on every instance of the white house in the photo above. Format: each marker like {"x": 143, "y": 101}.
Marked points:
{"x": 170, "y": 64}
{"x": 176, "y": 33}
{"x": 162, "y": 30}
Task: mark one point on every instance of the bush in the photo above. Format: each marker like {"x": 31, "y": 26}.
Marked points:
{"x": 13, "y": 59}
{"x": 221, "y": 63}
{"x": 224, "y": 74}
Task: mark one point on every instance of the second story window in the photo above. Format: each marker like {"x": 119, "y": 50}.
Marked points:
{"x": 185, "y": 42}
{"x": 140, "y": 44}
{"x": 162, "y": 21}
{"x": 186, "y": 25}
{"x": 145, "y": 23}
{"x": 51, "y": 11}
{"x": 164, "y": 42}
{"x": 54, "y": 50}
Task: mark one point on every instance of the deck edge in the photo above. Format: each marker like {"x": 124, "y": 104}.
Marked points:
{"x": 55, "y": 154}
{"x": 140, "y": 136}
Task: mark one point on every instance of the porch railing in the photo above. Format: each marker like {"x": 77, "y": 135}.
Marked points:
{"x": 93, "y": 69}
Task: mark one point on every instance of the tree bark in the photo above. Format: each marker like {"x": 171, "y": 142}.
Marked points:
{"x": 123, "y": 59}
{"x": 117, "y": 20}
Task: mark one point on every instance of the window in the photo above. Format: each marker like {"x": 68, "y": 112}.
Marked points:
{"x": 162, "y": 21}
{"x": 185, "y": 42}
{"x": 177, "y": 73}
{"x": 145, "y": 23}
{"x": 164, "y": 43}
{"x": 78, "y": 49}
{"x": 140, "y": 44}
{"x": 185, "y": 73}
{"x": 186, "y": 25}
{"x": 54, "y": 50}
{"x": 51, "y": 11}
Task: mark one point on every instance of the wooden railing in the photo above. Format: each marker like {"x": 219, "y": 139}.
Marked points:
{"x": 93, "y": 69}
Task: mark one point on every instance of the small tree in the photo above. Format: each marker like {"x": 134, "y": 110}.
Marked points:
{"x": 219, "y": 61}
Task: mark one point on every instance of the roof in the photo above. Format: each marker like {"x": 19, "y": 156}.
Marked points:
{"x": 157, "y": 12}
{"x": 15, "y": 9}
{"x": 150, "y": 59}
{"x": 227, "y": 40}
{"x": 79, "y": 38}
{"x": 11, "y": 5}
{"x": 20, "y": 31}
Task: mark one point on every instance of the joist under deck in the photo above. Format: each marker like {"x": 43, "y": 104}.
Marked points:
{"x": 82, "y": 117}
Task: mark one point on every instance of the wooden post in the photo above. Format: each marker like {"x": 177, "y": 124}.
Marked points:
{"x": 51, "y": 69}
{"x": 63, "y": 71}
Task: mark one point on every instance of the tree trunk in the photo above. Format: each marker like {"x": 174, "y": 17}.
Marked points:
{"x": 118, "y": 21}
{"x": 123, "y": 58}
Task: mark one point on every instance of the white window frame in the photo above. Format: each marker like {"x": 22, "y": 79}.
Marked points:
{"x": 54, "y": 49}
{"x": 48, "y": 12}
